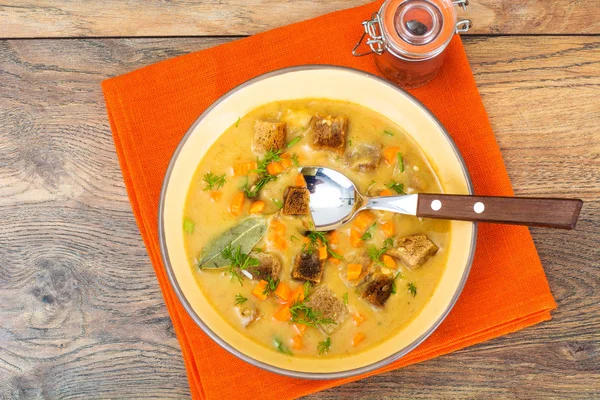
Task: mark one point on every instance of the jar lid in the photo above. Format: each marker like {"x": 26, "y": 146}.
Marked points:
{"x": 417, "y": 29}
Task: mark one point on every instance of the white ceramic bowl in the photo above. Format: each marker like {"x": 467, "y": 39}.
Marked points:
{"x": 315, "y": 82}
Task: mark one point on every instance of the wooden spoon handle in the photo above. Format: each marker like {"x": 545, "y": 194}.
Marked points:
{"x": 532, "y": 211}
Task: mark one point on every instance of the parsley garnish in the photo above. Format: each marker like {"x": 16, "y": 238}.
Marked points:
{"x": 396, "y": 186}
{"x": 293, "y": 238}
{"x": 346, "y": 298}
{"x": 239, "y": 299}
{"x": 238, "y": 260}
{"x": 278, "y": 203}
{"x": 398, "y": 275}
{"x": 263, "y": 175}
{"x": 401, "y": 162}
{"x": 375, "y": 253}
{"x": 303, "y": 314}
{"x": 188, "y": 226}
{"x": 307, "y": 286}
{"x": 412, "y": 289}
{"x": 237, "y": 123}
{"x": 213, "y": 181}
{"x": 313, "y": 241}
{"x": 271, "y": 286}
{"x": 324, "y": 346}
{"x": 368, "y": 234}
{"x": 388, "y": 133}
{"x": 350, "y": 142}
{"x": 295, "y": 160}
{"x": 281, "y": 347}
{"x": 294, "y": 141}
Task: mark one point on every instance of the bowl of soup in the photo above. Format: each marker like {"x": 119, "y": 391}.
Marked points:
{"x": 238, "y": 242}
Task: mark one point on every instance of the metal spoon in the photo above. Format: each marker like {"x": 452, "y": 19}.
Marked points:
{"x": 334, "y": 201}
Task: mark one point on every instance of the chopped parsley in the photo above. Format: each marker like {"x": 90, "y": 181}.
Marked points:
{"x": 400, "y": 162}
{"x": 324, "y": 346}
{"x": 346, "y": 298}
{"x": 237, "y": 123}
{"x": 293, "y": 238}
{"x": 238, "y": 260}
{"x": 271, "y": 286}
{"x": 303, "y": 314}
{"x": 278, "y": 203}
{"x": 412, "y": 289}
{"x": 294, "y": 141}
{"x": 375, "y": 253}
{"x": 280, "y": 347}
{"x": 314, "y": 238}
{"x": 368, "y": 233}
{"x": 396, "y": 186}
{"x": 213, "y": 182}
{"x": 350, "y": 142}
{"x": 188, "y": 226}
{"x": 307, "y": 286}
{"x": 263, "y": 175}
{"x": 398, "y": 275}
{"x": 388, "y": 133}
{"x": 295, "y": 160}
{"x": 239, "y": 299}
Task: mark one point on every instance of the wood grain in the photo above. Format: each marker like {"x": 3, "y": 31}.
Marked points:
{"x": 58, "y": 18}
{"x": 82, "y": 316}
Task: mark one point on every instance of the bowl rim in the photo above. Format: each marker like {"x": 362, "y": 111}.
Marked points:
{"x": 271, "y": 368}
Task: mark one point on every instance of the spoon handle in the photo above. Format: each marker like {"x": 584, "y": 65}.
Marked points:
{"x": 532, "y": 211}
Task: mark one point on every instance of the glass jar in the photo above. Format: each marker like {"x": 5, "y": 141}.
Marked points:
{"x": 409, "y": 37}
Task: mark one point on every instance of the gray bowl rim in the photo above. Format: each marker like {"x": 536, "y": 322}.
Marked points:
{"x": 282, "y": 371}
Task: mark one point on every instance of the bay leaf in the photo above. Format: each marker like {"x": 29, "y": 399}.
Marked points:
{"x": 244, "y": 235}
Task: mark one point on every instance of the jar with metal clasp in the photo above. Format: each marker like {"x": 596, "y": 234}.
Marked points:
{"x": 409, "y": 38}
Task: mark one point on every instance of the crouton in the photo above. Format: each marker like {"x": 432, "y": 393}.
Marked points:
{"x": 308, "y": 267}
{"x": 269, "y": 135}
{"x": 367, "y": 269}
{"x": 248, "y": 313}
{"x": 329, "y": 132}
{"x": 296, "y": 201}
{"x": 378, "y": 290}
{"x": 364, "y": 157}
{"x": 269, "y": 266}
{"x": 413, "y": 250}
{"x": 324, "y": 301}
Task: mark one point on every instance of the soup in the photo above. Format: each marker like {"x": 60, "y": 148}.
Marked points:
{"x": 250, "y": 240}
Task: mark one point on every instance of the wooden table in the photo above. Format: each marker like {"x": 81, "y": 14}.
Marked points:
{"x": 81, "y": 314}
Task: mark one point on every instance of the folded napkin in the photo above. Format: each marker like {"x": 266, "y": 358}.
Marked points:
{"x": 151, "y": 109}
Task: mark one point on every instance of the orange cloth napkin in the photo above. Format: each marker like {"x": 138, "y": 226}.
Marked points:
{"x": 151, "y": 109}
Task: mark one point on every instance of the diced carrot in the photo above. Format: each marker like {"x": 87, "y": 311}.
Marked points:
{"x": 215, "y": 195}
{"x": 277, "y": 227}
{"x": 286, "y": 163}
{"x": 359, "y": 337}
{"x": 299, "y": 328}
{"x": 259, "y": 289}
{"x": 283, "y": 314}
{"x": 334, "y": 260}
{"x": 237, "y": 203}
{"x": 388, "y": 228}
{"x": 283, "y": 292}
{"x": 355, "y": 238}
{"x": 297, "y": 342}
{"x": 358, "y": 318}
{"x": 274, "y": 168}
{"x": 354, "y": 271}
{"x": 391, "y": 154}
{"x": 300, "y": 180}
{"x": 333, "y": 237}
{"x": 286, "y": 155}
{"x": 243, "y": 169}
{"x": 257, "y": 207}
{"x": 279, "y": 242}
{"x": 323, "y": 253}
{"x": 389, "y": 261}
{"x": 297, "y": 294}
{"x": 386, "y": 192}
{"x": 363, "y": 221}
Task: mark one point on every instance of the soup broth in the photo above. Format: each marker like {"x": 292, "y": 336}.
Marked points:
{"x": 332, "y": 316}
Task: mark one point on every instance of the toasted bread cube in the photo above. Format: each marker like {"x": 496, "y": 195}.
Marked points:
{"x": 364, "y": 157}
{"x": 414, "y": 250}
{"x": 308, "y": 267}
{"x": 296, "y": 201}
{"x": 324, "y": 301}
{"x": 378, "y": 290}
{"x": 329, "y": 132}
{"x": 269, "y": 135}
{"x": 269, "y": 266}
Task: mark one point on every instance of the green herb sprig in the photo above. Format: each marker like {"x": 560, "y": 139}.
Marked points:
{"x": 238, "y": 260}
{"x": 213, "y": 181}
{"x": 412, "y": 289}
{"x": 396, "y": 186}
{"x": 239, "y": 299}
{"x": 324, "y": 346}
{"x": 263, "y": 175}
{"x": 280, "y": 347}
{"x": 271, "y": 286}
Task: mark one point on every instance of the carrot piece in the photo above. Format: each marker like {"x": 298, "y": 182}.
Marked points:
{"x": 297, "y": 342}
{"x": 297, "y": 294}
{"x": 257, "y": 207}
{"x": 359, "y": 337}
{"x": 279, "y": 242}
{"x": 286, "y": 163}
{"x": 237, "y": 203}
{"x": 391, "y": 154}
{"x": 334, "y": 260}
{"x": 283, "y": 292}
{"x": 243, "y": 169}
{"x": 286, "y": 155}
{"x": 333, "y": 237}
{"x": 354, "y": 271}
{"x": 389, "y": 261}
{"x": 386, "y": 192}
{"x": 274, "y": 168}
{"x": 277, "y": 227}
{"x": 355, "y": 238}
{"x": 283, "y": 314}
{"x": 300, "y": 181}
{"x": 215, "y": 195}
{"x": 358, "y": 319}
{"x": 259, "y": 289}
{"x": 388, "y": 228}
{"x": 323, "y": 253}
{"x": 363, "y": 221}
{"x": 299, "y": 328}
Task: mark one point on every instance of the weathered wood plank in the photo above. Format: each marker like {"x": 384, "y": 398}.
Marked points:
{"x": 82, "y": 316}
{"x": 55, "y": 18}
